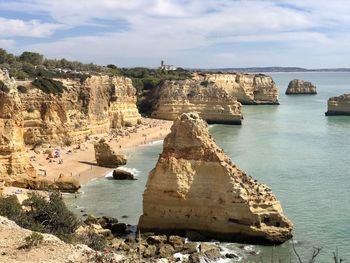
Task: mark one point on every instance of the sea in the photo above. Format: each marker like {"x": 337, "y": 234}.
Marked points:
{"x": 293, "y": 147}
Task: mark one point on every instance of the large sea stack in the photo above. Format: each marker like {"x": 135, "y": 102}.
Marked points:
{"x": 339, "y": 105}
{"x": 195, "y": 186}
{"x": 298, "y": 86}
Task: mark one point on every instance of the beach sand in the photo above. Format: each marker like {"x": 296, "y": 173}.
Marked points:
{"x": 79, "y": 160}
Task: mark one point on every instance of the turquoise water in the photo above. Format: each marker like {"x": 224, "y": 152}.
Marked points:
{"x": 294, "y": 148}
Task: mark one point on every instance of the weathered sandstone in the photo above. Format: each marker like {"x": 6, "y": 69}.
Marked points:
{"x": 298, "y": 86}
{"x": 14, "y": 161}
{"x": 86, "y": 107}
{"x": 195, "y": 186}
{"x": 247, "y": 88}
{"x": 213, "y": 104}
{"x": 339, "y": 105}
{"x": 106, "y": 157}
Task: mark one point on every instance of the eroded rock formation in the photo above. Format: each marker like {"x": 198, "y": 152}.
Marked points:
{"x": 247, "y": 88}
{"x": 14, "y": 161}
{"x": 195, "y": 186}
{"x": 86, "y": 107}
{"x": 339, "y": 105}
{"x": 298, "y": 86}
{"x": 106, "y": 157}
{"x": 213, "y": 104}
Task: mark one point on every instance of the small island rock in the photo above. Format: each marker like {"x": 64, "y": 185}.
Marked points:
{"x": 298, "y": 86}
{"x": 120, "y": 174}
{"x": 339, "y": 105}
{"x": 106, "y": 157}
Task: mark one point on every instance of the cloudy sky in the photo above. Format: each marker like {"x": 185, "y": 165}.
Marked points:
{"x": 188, "y": 33}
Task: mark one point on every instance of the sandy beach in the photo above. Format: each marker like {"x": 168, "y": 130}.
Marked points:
{"x": 79, "y": 160}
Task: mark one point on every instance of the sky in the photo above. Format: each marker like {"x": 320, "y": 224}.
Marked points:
{"x": 196, "y": 34}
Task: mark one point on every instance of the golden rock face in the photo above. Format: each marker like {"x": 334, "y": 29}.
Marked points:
{"x": 14, "y": 162}
{"x": 195, "y": 186}
{"x": 84, "y": 108}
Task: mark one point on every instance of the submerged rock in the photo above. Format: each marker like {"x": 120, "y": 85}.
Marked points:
{"x": 339, "y": 105}
{"x": 195, "y": 186}
{"x": 298, "y": 86}
{"x": 106, "y": 157}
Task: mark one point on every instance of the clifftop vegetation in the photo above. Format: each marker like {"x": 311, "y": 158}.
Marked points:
{"x": 34, "y": 66}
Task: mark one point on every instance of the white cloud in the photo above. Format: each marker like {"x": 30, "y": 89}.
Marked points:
{"x": 32, "y": 28}
{"x": 191, "y": 32}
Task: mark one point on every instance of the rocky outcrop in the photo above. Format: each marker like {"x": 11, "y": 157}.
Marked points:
{"x": 119, "y": 174}
{"x": 247, "y": 88}
{"x": 195, "y": 186}
{"x": 66, "y": 183}
{"x": 298, "y": 86}
{"x": 84, "y": 108}
{"x": 106, "y": 157}
{"x": 14, "y": 161}
{"x": 213, "y": 104}
{"x": 339, "y": 105}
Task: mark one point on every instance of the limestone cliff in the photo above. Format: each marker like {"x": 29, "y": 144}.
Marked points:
{"x": 247, "y": 88}
{"x": 339, "y": 105}
{"x": 89, "y": 107}
{"x": 14, "y": 162}
{"x": 298, "y": 86}
{"x": 195, "y": 186}
{"x": 213, "y": 104}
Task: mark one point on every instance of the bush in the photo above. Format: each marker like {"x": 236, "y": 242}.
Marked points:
{"x": 53, "y": 215}
{"x": 93, "y": 240}
{"x": 49, "y": 86}
{"x": 33, "y": 240}
{"x": 22, "y": 89}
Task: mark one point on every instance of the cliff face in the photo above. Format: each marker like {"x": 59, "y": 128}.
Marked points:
{"x": 298, "y": 86}
{"x": 195, "y": 186}
{"x": 339, "y": 105}
{"x": 84, "y": 108}
{"x": 213, "y": 104}
{"x": 247, "y": 88}
{"x": 14, "y": 162}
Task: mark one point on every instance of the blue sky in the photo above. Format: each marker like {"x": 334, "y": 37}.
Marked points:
{"x": 197, "y": 33}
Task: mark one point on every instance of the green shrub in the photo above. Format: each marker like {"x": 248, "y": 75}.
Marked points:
{"x": 49, "y": 86}
{"x": 22, "y": 89}
{"x": 205, "y": 83}
{"x": 53, "y": 215}
{"x": 32, "y": 240}
{"x": 93, "y": 240}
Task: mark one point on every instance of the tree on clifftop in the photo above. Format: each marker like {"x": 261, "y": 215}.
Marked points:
{"x": 32, "y": 58}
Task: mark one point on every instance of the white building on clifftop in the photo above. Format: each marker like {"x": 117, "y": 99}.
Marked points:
{"x": 166, "y": 67}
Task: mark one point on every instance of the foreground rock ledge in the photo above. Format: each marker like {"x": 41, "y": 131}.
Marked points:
{"x": 195, "y": 186}
{"x": 339, "y": 105}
